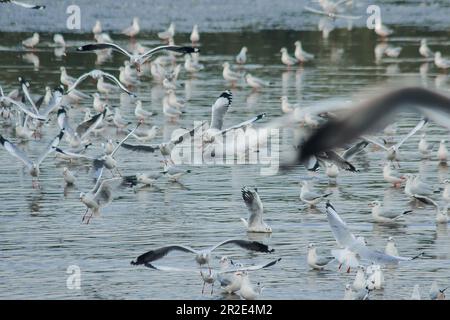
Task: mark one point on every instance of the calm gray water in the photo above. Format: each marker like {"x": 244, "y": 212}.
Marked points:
{"x": 41, "y": 230}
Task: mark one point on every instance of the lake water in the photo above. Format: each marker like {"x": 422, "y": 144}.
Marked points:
{"x": 41, "y": 230}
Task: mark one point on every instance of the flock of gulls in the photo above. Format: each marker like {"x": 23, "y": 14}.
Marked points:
{"x": 326, "y": 140}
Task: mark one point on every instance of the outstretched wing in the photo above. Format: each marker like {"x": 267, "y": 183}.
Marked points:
{"x": 340, "y": 230}
{"x": 245, "y": 244}
{"x": 179, "y": 49}
{"x": 16, "y": 152}
{"x": 84, "y": 128}
{"x": 51, "y": 147}
{"x": 254, "y": 205}
{"x": 412, "y": 132}
{"x": 101, "y": 46}
{"x": 28, "y": 6}
{"x": 117, "y": 82}
{"x": 77, "y": 82}
{"x": 159, "y": 253}
{"x": 140, "y": 147}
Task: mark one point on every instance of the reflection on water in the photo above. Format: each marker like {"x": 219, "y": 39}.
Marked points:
{"x": 42, "y": 232}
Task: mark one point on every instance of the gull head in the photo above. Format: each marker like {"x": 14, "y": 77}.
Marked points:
{"x": 374, "y": 204}
{"x": 311, "y": 245}
{"x": 437, "y": 55}
{"x": 82, "y": 195}
{"x": 443, "y": 141}
{"x": 244, "y": 49}
{"x": 446, "y": 181}
{"x": 226, "y": 65}
{"x": 391, "y": 239}
{"x": 65, "y": 169}
{"x": 283, "y": 50}
{"x": 297, "y": 43}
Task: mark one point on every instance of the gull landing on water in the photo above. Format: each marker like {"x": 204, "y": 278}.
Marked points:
{"x": 137, "y": 59}
{"x": 202, "y": 257}
{"x": 255, "y": 222}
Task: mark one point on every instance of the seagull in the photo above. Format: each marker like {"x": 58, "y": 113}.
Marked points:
{"x": 436, "y": 293}
{"x": 32, "y": 41}
{"x": 203, "y": 256}
{"x": 424, "y": 147}
{"x": 132, "y": 30}
{"x": 441, "y": 62}
{"x": 167, "y": 34}
{"x": 369, "y": 114}
{"x": 390, "y": 248}
{"x": 441, "y": 211}
{"x": 390, "y": 175}
{"x": 20, "y": 107}
{"x": 98, "y": 104}
{"x": 192, "y": 66}
{"x": 360, "y": 279}
{"x": 446, "y": 192}
{"x": 173, "y": 172}
{"x": 287, "y": 107}
{"x": 229, "y": 74}
{"x": 256, "y": 83}
{"x": 300, "y": 54}
{"x": 99, "y": 197}
{"x": 126, "y": 79}
{"x": 165, "y": 147}
{"x": 58, "y": 39}
{"x": 381, "y": 29}
{"x": 442, "y": 153}
{"x": 195, "y": 36}
{"x": 79, "y": 135}
{"x": 314, "y": 261}
{"x": 32, "y": 166}
{"x": 382, "y": 216}
{"x": 311, "y": 197}
{"x": 98, "y": 75}
{"x": 105, "y": 161}
{"x": 24, "y": 5}
{"x": 137, "y": 59}
{"x": 69, "y": 177}
{"x": 255, "y": 222}
{"x": 286, "y": 58}
{"x": 97, "y": 28}
{"x": 424, "y": 50}
{"x": 146, "y": 135}
{"x": 247, "y": 291}
{"x": 241, "y": 58}
{"x": 148, "y": 179}
{"x": 392, "y": 151}
{"x": 392, "y": 52}
{"x": 415, "y": 188}
{"x": 140, "y": 113}
{"x": 346, "y": 239}
{"x": 375, "y": 277}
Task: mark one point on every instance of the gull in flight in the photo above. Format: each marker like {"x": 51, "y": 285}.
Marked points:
{"x": 79, "y": 135}
{"x": 165, "y": 147}
{"x": 315, "y": 261}
{"x": 367, "y": 115}
{"x": 24, "y": 5}
{"x": 255, "y": 222}
{"x": 32, "y": 166}
{"x": 98, "y": 75}
{"x": 392, "y": 151}
{"x": 137, "y": 59}
{"x": 105, "y": 161}
{"x": 382, "y": 216}
{"x": 99, "y": 197}
{"x": 357, "y": 246}
{"x": 203, "y": 256}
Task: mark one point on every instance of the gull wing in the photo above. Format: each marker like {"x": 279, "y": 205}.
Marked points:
{"x": 254, "y": 205}
{"x": 16, "y": 152}
{"x": 101, "y": 46}
{"x": 159, "y": 253}
{"x": 51, "y": 147}
{"x": 341, "y": 233}
{"x": 412, "y": 132}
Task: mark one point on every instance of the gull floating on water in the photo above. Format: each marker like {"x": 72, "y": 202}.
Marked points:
{"x": 300, "y": 54}
{"x": 390, "y": 248}
{"x": 442, "y": 153}
{"x": 195, "y": 36}
{"x": 315, "y": 261}
{"x": 311, "y": 197}
{"x": 256, "y": 83}
{"x": 383, "y": 216}
{"x": 424, "y": 50}
{"x": 286, "y": 58}
{"x": 441, "y": 62}
{"x": 167, "y": 34}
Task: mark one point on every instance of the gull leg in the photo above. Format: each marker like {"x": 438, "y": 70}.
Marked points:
{"x": 203, "y": 288}
{"x": 348, "y": 270}
{"x": 212, "y": 288}
{"x": 340, "y": 265}
{"x": 84, "y": 216}
{"x": 89, "y": 218}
